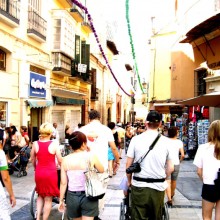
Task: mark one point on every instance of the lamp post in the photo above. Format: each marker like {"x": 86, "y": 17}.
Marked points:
{"x": 145, "y": 93}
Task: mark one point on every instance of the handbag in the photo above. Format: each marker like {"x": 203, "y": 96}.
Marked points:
{"x": 136, "y": 167}
{"x": 96, "y": 183}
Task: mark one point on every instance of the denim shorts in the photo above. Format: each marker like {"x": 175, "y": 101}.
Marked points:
{"x": 175, "y": 173}
{"x": 79, "y": 205}
{"x": 209, "y": 193}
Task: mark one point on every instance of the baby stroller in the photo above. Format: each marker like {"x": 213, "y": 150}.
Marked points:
{"x": 20, "y": 162}
{"x": 125, "y": 208}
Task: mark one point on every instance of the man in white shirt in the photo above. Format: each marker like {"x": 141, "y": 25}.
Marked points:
{"x": 55, "y": 134}
{"x": 148, "y": 186}
{"x": 99, "y": 138}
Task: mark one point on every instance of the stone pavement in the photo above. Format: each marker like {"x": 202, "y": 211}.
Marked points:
{"x": 187, "y": 199}
{"x": 185, "y": 207}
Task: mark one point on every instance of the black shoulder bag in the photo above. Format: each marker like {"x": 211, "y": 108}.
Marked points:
{"x": 135, "y": 167}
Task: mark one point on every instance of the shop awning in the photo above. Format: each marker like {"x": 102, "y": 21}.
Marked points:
{"x": 210, "y": 99}
{"x": 39, "y": 103}
{"x": 166, "y": 104}
{"x": 66, "y": 93}
{"x": 164, "y": 107}
{"x": 203, "y": 29}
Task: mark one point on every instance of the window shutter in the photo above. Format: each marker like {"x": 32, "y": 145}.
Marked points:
{"x": 76, "y": 61}
{"x": 93, "y": 87}
{"x": 85, "y": 58}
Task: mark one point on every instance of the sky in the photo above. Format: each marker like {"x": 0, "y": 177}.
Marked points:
{"x": 140, "y": 13}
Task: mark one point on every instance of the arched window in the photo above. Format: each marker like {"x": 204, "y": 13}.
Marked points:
{"x": 2, "y": 60}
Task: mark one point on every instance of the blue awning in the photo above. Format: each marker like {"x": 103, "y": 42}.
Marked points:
{"x": 39, "y": 103}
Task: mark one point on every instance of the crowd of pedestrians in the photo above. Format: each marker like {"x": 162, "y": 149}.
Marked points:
{"x": 99, "y": 146}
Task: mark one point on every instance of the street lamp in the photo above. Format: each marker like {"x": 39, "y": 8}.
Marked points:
{"x": 144, "y": 99}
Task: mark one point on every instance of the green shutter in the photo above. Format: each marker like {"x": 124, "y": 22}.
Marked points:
{"x": 76, "y": 61}
{"x": 85, "y": 58}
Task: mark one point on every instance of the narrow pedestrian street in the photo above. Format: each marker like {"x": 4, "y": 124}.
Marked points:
{"x": 186, "y": 202}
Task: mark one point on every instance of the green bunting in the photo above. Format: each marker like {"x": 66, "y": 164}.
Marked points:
{"x": 132, "y": 44}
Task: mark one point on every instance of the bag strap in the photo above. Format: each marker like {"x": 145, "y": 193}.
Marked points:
{"x": 150, "y": 148}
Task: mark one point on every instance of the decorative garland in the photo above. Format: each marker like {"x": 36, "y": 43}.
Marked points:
{"x": 132, "y": 44}
{"x": 98, "y": 42}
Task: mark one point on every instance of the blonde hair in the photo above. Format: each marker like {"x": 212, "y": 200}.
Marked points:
{"x": 46, "y": 129}
{"x": 214, "y": 137}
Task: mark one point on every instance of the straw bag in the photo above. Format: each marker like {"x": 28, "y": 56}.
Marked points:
{"x": 96, "y": 184}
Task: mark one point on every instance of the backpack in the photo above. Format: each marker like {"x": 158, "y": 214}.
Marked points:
{"x": 1, "y": 134}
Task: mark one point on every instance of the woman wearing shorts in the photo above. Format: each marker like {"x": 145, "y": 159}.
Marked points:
{"x": 207, "y": 160}
{"x": 72, "y": 174}
{"x": 177, "y": 148}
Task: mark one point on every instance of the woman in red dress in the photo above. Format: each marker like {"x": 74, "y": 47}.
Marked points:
{"x": 43, "y": 155}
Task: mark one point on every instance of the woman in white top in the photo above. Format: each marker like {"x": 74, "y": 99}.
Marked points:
{"x": 73, "y": 167}
{"x": 177, "y": 148}
{"x": 207, "y": 160}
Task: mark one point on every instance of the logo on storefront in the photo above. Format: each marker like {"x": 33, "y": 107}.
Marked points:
{"x": 37, "y": 85}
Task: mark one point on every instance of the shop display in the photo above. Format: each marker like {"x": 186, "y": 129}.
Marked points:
{"x": 202, "y": 131}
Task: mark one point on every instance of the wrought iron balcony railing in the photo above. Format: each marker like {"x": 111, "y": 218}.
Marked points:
{"x": 61, "y": 64}
{"x": 10, "y": 9}
{"x": 36, "y": 26}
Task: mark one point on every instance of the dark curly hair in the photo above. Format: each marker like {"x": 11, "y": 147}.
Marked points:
{"x": 93, "y": 114}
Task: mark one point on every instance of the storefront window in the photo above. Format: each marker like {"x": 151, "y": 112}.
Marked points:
{"x": 3, "y": 112}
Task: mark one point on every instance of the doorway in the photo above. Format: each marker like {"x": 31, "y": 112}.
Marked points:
{"x": 35, "y": 123}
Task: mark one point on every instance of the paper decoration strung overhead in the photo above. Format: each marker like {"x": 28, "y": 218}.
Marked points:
{"x": 132, "y": 44}
{"x": 76, "y": 2}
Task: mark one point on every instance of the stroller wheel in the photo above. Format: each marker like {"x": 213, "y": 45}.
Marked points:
{"x": 19, "y": 175}
{"x": 24, "y": 173}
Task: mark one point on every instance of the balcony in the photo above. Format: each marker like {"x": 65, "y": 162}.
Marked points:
{"x": 36, "y": 27}
{"x": 61, "y": 64}
{"x": 79, "y": 74}
{"x": 10, "y": 12}
{"x": 109, "y": 99}
{"x": 76, "y": 14}
{"x": 65, "y": 3}
{"x": 86, "y": 27}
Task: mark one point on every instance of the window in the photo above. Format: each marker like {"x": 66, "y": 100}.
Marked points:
{"x": 217, "y": 5}
{"x": 77, "y": 48}
{"x": 85, "y": 57}
{"x": 37, "y": 70}
{"x": 3, "y": 112}
{"x": 200, "y": 83}
{"x": 63, "y": 34}
{"x": 34, "y": 5}
{"x": 2, "y": 60}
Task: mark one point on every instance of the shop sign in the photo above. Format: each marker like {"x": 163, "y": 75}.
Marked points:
{"x": 82, "y": 68}
{"x": 37, "y": 86}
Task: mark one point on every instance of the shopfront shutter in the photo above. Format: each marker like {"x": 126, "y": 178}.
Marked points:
{"x": 75, "y": 119}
